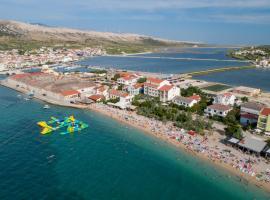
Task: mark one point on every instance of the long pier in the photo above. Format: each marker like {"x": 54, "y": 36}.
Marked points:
{"x": 223, "y": 69}
{"x": 174, "y": 58}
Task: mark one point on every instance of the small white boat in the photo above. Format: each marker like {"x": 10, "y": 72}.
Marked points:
{"x": 46, "y": 106}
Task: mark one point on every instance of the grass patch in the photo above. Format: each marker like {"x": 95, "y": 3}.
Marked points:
{"x": 217, "y": 87}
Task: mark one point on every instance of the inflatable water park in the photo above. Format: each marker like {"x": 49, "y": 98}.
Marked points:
{"x": 68, "y": 124}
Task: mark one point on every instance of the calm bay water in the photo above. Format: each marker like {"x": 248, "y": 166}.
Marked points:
{"x": 258, "y": 78}
{"x": 106, "y": 161}
{"x": 169, "y": 63}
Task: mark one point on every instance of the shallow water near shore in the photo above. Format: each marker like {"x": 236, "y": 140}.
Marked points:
{"x": 106, "y": 161}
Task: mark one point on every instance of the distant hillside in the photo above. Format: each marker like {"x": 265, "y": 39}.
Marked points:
{"x": 251, "y": 53}
{"x": 21, "y": 35}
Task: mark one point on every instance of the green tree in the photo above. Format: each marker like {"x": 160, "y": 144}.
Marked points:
{"x": 141, "y": 80}
{"x": 116, "y": 76}
{"x": 268, "y": 142}
{"x": 233, "y": 130}
{"x": 244, "y": 99}
{"x": 232, "y": 117}
{"x": 120, "y": 87}
{"x": 191, "y": 90}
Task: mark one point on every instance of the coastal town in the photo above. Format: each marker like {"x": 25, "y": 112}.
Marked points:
{"x": 15, "y": 59}
{"x": 260, "y": 56}
{"x": 227, "y": 125}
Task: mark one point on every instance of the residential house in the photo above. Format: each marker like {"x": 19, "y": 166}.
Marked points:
{"x": 225, "y": 99}
{"x": 70, "y": 95}
{"x": 135, "y": 89}
{"x": 103, "y": 90}
{"x": 168, "y": 92}
{"x": 96, "y": 97}
{"x": 250, "y": 112}
{"x": 124, "y": 96}
{"x": 264, "y": 120}
{"x": 187, "y": 102}
{"x": 127, "y": 80}
{"x": 217, "y": 110}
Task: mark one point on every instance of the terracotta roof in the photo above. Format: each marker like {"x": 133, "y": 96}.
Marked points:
{"x": 37, "y": 73}
{"x": 195, "y": 97}
{"x": 154, "y": 80}
{"x": 165, "y": 88}
{"x": 123, "y": 74}
{"x": 138, "y": 85}
{"x": 227, "y": 94}
{"x": 265, "y": 111}
{"x": 69, "y": 92}
{"x": 150, "y": 85}
{"x": 127, "y": 78}
{"x": 96, "y": 97}
{"x": 19, "y": 76}
{"x": 219, "y": 107}
{"x": 118, "y": 93}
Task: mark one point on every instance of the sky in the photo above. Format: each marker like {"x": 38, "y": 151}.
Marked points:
{"x": 239, "y": 22}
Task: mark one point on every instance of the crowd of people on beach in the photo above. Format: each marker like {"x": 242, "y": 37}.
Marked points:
{"x": 209, "y": 146}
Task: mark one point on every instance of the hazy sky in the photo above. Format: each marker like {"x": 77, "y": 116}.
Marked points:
{"x": 211, "y": 21}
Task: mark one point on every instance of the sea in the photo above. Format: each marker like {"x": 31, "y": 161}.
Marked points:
{"x": 109, "y": 160}
{"x": 188, "y": 60}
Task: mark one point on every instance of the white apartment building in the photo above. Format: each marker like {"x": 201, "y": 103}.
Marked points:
{"x": 225, "y": 99}
{"x": 160, "y": 88}
{"x": 217, "y": 110}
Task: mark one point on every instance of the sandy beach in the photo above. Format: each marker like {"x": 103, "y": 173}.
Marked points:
{"x": 208, "y": 149}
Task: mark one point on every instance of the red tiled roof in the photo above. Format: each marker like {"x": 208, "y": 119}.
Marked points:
{"x": 195, "y": 97}
{"x": 165, "y": 88}
{"x": 219, "y": 107}
{"x": 150, "y": 85}
{"x": 19, "y": 76}
{"x": 118, "y": 93}
{"x": 227, "y": 94}
{"x": 138, "y": 85}
{"x": 127, "y": 78}
{"x": 123, "y": 74}
{"x": 249, "y": 116}
{"x": 96, "y": 97}
{"x": 265, "y": 111}
{"x": 154, "y": 80}
{"x": 36, "y": 73}
{"x": 69, "y": 92}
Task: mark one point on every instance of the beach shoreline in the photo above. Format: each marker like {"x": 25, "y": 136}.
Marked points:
{"x": 243, "y": 177}
{"x": 160, "y": 135}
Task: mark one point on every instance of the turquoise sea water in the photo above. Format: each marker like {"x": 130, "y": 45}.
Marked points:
{"x": 107, "y": 161}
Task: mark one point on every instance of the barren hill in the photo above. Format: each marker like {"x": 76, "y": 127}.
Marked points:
{"x": 15, "y": 34}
